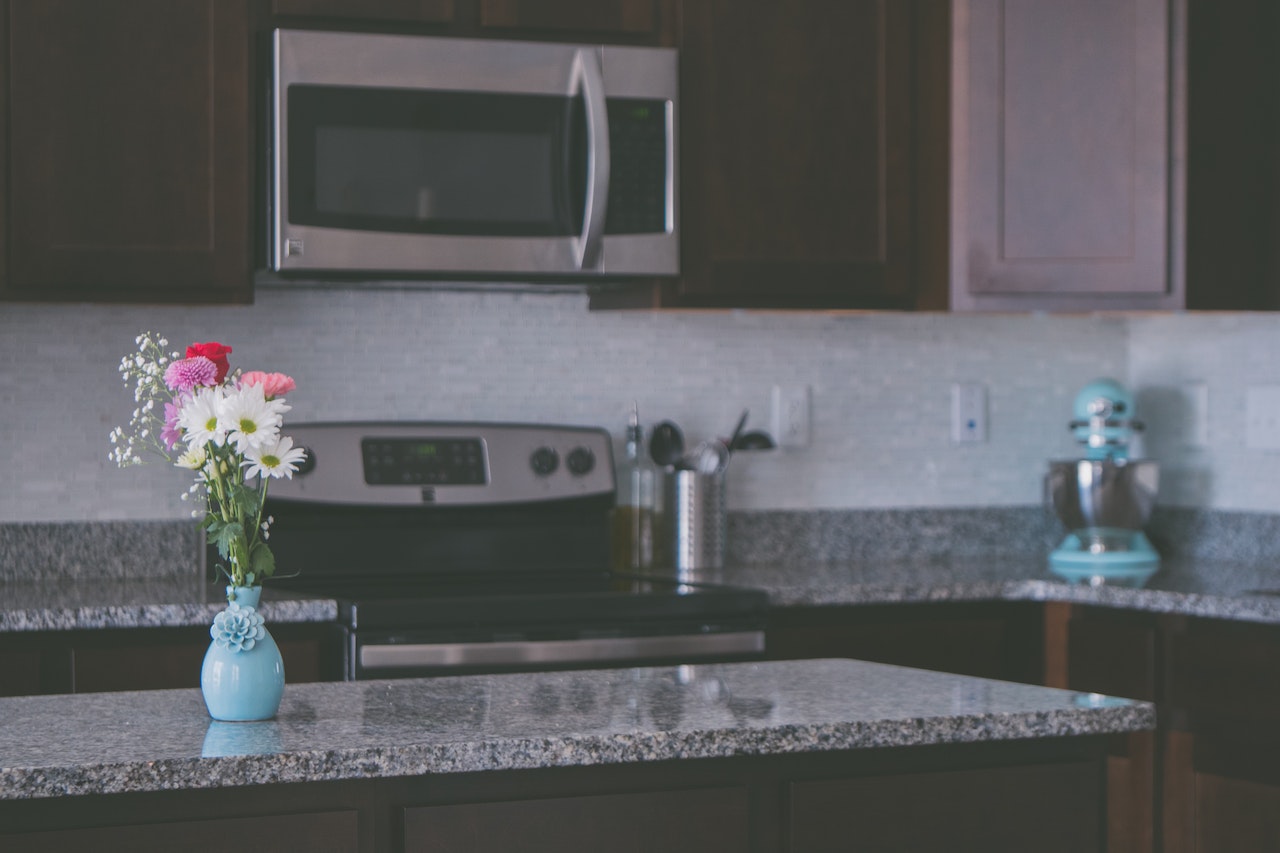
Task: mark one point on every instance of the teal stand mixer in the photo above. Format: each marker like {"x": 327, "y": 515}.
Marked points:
{"x": 1105, "y": 499}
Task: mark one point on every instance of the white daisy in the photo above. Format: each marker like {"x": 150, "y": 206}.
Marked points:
{"x": 249, "y": 419}
{"x": 193, "y": 459}
{"x": 198, "y": 418}
{"x": 277, "y": 458}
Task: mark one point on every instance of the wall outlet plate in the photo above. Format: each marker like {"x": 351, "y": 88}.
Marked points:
{"x": 790, "y": 413}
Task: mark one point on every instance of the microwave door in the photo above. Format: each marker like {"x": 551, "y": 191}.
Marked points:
{"x": 398, "y": 154}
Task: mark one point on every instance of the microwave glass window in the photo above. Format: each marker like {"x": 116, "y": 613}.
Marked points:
{"x": 430, "y": 176}
{"x": 436, "y": 162}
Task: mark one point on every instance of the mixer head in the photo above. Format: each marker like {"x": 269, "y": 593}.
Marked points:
{"x": 1103, "y": 419}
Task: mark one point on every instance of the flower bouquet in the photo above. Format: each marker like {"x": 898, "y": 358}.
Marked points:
{"x": 222, "y": 425}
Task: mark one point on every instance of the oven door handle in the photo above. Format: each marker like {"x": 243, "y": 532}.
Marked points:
{"x": 595, "y": 650}
{"x": 588, "y": 79}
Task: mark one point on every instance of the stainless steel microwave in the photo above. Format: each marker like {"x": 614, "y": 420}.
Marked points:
{"x": 435, "y": 157}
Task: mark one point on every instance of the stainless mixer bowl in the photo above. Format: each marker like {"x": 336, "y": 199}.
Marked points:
{"x": 1090, "y": 493}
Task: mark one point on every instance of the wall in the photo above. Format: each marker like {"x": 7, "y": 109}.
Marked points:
{"x": 1228, "y": 353}
{"x": 881, "y": 387}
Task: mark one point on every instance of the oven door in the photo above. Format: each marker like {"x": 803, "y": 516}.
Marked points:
{"x": 406, "y": 154}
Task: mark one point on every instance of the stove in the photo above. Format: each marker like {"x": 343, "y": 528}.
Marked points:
{"x": 483, "y": 547}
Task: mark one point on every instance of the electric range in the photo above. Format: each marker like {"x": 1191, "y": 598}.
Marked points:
{"x": 484, "y": 547}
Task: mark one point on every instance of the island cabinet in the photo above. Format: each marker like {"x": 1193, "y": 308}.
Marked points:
{"x": 1002, "y": 640}
{"x": 1006, "y": 797}
{"x": 127, "y": 150}
{"x": 1208, "y": 778}
{"x": 108, "y": 660}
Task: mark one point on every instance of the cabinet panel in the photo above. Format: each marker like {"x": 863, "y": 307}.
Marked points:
{"x": 1043, "y": 808}
{"x": 987, "y": 642}
{"x": 129, "y": 153}
{"x": 414, "y": 11}
{"x": 1065, "y": 122}
{"x": 675, "y": 821}
{"x": 636, "y": 17}
{"x": 320, "y": 832}
{"x": 795, "y": 139}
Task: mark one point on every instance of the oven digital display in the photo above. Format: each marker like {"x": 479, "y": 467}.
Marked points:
{"x": 423, "y": 461}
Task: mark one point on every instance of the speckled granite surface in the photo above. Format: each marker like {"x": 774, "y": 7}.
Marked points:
{"x": 104, "y": 550}
{"x": 163, "y": 740}
{"x": 138, "y": 603}
{"x": 1193, "y": 587}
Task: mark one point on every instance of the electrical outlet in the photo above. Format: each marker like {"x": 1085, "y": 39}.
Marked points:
{"x": 790, "y": 415}
{"x": 968, "y": 412}
{"x": 1262, "y": 417}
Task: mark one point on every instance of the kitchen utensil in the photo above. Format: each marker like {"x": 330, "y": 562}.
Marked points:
{"x": 696, "y": 515}
{"x": 1106, "y": 498}
{"x": 754, "y": 440}
{"x": 737, "y": 431}
{"x": 709, "y": 457}
{"x": 666, "y": 444}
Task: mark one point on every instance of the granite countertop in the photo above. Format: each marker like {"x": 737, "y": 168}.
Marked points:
{"x": 1242, "y": 591}
{"x": 138, "y": 603}
{"x": 1207, "y": 588}
{"x": 162, "y": 740}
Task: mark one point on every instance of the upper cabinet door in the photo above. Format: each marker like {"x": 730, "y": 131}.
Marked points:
{"x": 1067, "y": 163}
{"x": 796, "y": 123}
{"x": 129, "y": 150}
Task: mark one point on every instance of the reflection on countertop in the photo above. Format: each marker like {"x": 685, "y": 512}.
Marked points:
{"x": 164, "y": 740}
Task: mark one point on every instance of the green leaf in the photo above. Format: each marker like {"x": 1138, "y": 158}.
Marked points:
{"x": 229, "y": 538}
{"x": 262, "y": 560}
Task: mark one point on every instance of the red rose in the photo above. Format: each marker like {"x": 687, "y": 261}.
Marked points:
{"x": 215, "y": 352}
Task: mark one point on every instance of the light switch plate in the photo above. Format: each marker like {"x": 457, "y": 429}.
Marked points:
{"x": 968, "y": 412}
{"x": 1262, "y": 417}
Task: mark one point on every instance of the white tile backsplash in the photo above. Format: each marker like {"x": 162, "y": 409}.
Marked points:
{"x": 881, "y": 388}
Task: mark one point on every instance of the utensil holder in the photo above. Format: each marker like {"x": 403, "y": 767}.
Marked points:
{"x": 694, "y": 511}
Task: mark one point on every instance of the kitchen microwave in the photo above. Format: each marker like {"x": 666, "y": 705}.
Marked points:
{"x": 404, "y": 155}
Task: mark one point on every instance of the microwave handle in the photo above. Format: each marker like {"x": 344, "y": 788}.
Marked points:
{"x": 588, "y": 79}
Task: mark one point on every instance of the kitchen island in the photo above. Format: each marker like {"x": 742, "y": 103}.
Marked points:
{"x": 735, "y": 756}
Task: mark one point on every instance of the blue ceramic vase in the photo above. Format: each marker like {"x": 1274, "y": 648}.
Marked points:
{"x": 243, "y": 674}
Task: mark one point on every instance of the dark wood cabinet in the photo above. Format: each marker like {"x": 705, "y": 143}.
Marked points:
{"x": 1207, "y": 780}
{"x": 621, "y": 21}
{"x": 1221, "y": 774}
{"x": 1002, "y": 796}
{"x": 637, "y": 18}
{"x": 401, "y": 11}
{"x": 128, "y": 150}
{"x": 1050, "y": 807}
{"x": 796, "y": 123}
{"x": 677, "y": 820}
{"x": 109, "y": 660}
{"x": 319, "y": 832}
{"x": 1000, "y": 640}
{"x": 1118, "y": 654}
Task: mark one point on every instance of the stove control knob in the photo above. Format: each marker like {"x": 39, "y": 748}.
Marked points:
{"x": 580, "y": 461}
{"x": 308, "y": 462}
{"x": 544, "y": 461}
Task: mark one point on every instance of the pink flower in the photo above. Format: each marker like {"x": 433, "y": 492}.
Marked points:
{"x": 190, "y": 373}
{"x": 170, "y": 434}
{"x": 273, "y": 384}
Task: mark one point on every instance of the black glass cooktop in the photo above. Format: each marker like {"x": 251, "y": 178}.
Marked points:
{"x": 604, "y": 597}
